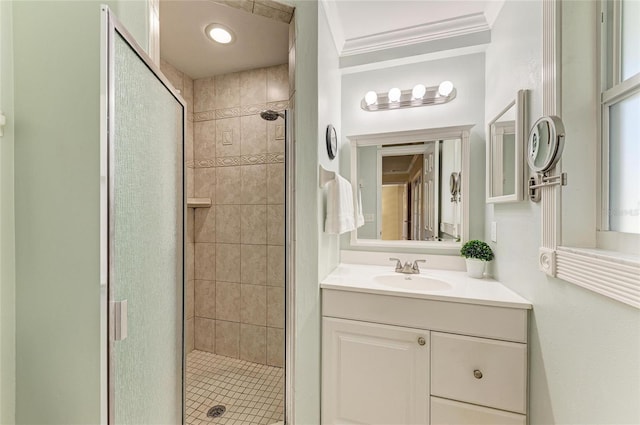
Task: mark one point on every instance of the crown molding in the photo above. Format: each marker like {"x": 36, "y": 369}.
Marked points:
{"x": 462, "y": 25}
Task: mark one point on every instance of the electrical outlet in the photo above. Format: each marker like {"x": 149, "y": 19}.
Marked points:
{"x": 494, "y": 231}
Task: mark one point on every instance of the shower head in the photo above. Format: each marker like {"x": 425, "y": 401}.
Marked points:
{"x": 270, "y": 115}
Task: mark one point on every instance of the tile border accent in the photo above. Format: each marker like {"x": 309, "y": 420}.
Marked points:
{"x": 240, "y": 111}
{"x": 232, "y": 161}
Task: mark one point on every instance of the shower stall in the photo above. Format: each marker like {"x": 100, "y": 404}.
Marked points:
{"x": 235, "y": 245}
{"x": 196, "y": 261}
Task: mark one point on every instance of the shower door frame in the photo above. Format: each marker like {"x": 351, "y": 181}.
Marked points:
{"x": 110, "y": 25}
{"x": 289, "y": 271}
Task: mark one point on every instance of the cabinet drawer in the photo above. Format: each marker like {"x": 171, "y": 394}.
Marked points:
{"x": 449, "y": 412}
{"x": 480, "y": 371}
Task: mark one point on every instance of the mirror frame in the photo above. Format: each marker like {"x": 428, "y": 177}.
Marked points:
{"x": 463, "y": 133}
{"x": 521, "y": 134}
{"x": 555, "y": 139}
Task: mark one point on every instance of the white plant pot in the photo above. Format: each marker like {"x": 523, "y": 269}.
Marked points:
{"x": 475, "y": 267}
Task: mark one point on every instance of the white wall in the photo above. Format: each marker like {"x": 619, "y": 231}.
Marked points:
{"x": 584, "y": 348}
{"x": 7, "y": 223}
{"x": 467, "y": 74}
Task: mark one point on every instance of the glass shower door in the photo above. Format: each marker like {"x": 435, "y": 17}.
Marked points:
{"x": 146, "y": 213}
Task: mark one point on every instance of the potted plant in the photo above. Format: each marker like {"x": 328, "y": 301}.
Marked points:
{"x": 476, "y": 254}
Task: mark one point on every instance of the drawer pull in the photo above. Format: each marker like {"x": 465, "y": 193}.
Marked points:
{"x": 422, "y": 341}
{"x": 477, "y": 374}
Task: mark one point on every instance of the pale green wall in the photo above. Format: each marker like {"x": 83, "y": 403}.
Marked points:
{"x": 57, "y": 88}
{"x": 584, "y": 348}
{"x": 57, "y": 109}
{"x": 368, "y": 177}
{"x": 307, "y": 320}
{"x": 329, "y": 112}
{"x": 7, "y": 223}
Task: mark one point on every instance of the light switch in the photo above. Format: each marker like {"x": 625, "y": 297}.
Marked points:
{"x": 368, "y": 218}
{"x": 494, "y": 231}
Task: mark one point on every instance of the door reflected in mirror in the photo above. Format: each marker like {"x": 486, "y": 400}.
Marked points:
{"x": 408, "y": 186}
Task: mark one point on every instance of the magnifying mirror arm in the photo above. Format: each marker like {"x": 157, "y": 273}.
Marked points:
{"x": 542, "y": 180}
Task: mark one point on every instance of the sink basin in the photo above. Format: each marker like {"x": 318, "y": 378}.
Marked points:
{"x": 412, "y": 281}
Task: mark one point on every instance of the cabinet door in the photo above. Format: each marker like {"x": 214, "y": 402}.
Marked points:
{"x": 374, "y": 374}
{"x": 449, "y": 412}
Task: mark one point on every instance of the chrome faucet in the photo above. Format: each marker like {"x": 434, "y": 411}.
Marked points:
{"x": 407, "y": 268}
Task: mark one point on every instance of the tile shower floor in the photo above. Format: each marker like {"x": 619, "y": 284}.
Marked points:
{"x": 253, "y": 394}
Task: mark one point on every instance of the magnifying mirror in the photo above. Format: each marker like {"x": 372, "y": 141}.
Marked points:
{"x": 546, "y": 142}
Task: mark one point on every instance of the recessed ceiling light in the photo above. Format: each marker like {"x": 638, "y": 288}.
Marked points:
{"x": 220, "y": 33}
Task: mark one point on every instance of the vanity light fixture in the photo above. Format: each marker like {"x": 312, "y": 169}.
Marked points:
{"x": 420, "y": 95}
{"x": 220, "y": 33}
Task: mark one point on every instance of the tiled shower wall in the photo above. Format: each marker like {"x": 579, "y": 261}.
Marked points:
{"x": 184, "y": 84}
{"x": 239, "y": 241}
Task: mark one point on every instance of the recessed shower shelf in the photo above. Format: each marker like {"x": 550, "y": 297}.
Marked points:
{"x": 198, "y": 202}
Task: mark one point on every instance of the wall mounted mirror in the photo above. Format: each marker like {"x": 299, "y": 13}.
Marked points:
{"x": 413, "y": 187}
{"x": 506, "y": 138}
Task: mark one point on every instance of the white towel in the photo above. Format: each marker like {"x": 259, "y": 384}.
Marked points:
{"x": 340, "y": 211}
{"x": 360, "y": 216}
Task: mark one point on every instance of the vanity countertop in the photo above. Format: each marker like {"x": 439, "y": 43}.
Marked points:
{"x": 464, "y": 289}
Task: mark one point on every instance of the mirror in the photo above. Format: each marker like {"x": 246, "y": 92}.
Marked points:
{"x": 506, "y": 135}
{"x": 412, "y": 187}
{"x": 546, "y": 142}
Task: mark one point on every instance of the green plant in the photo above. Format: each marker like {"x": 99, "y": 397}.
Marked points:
{"x": 477, "y": 249}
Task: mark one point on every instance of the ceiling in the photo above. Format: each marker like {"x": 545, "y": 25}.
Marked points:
{"x": 260, "y": 41}
{"x": 357, "y": 26}
{"x": 398, "y": 164}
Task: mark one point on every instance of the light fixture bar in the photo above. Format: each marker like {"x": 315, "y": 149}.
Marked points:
{"x": 431, "y": 97}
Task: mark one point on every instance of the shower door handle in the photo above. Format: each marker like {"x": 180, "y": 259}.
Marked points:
{"x": 119, "y": 320}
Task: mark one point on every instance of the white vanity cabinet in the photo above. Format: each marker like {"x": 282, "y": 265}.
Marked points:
{"x": 374, "y": 374}
{"x": 389, "y": 359}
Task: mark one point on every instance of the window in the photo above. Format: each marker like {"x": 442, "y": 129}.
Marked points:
{"x": 620, "y": 109}
{"x": 601, "y": 110}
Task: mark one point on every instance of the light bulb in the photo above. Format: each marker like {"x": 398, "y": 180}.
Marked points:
{"x": 418, "y": 91}
{"x": 371, "y": 97}
{"x": 445, "y": 88}
{"x": 394, "y": 94}
{"x": 219, "y": 33}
